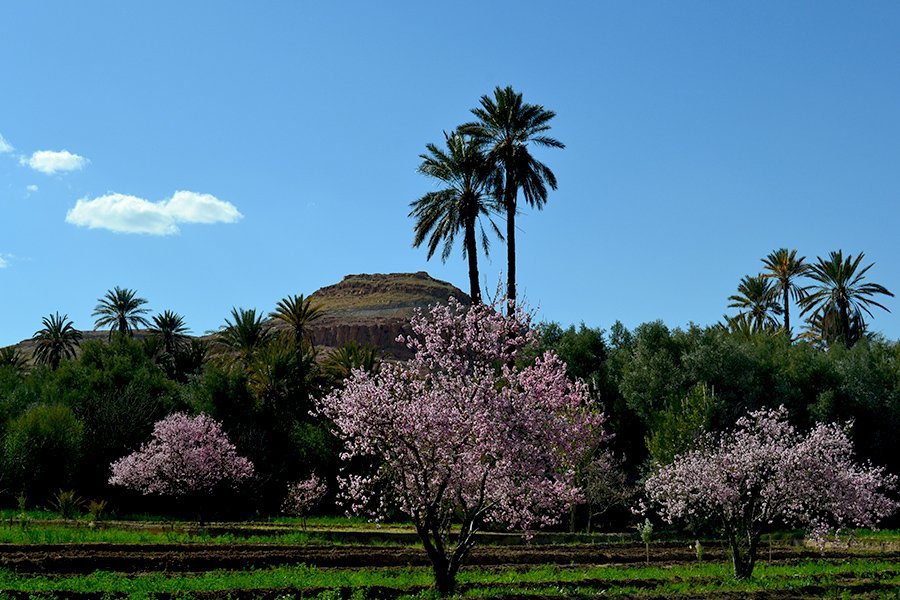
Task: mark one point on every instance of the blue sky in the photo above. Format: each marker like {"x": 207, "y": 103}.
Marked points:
{"x": 271, "y": 148}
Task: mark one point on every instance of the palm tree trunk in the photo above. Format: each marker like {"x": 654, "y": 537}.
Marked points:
{"x": 472, "y": 255}
{"x": 787, "y": 313}
{"x": 510, "y": 204}
{"x": 845, "y": 325}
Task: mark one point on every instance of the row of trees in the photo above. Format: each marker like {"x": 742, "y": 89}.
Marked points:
{"x": 835, "y": 300}
{"x": 659, "y": 387}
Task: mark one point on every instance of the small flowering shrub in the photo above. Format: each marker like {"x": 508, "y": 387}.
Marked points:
{"x": 461, "y": 435}
{"x": 645, "y": 530}
{"x": 765, "y": 472}
{"x": 185, "y": 456}
{"x": 302, "y": 496}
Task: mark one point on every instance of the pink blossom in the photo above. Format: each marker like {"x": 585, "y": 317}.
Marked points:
{"x": 303, "y": 495}
{"x": 184, "y": 456}
{"x": 461, "y": 434}
{"x": 766, "y": 473}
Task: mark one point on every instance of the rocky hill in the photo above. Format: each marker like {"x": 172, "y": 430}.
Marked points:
{"x": 369, "y": 309}
{"x": 375, "y": 309}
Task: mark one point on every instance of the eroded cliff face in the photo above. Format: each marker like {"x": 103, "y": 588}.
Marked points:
{"x": 375, "y": 309}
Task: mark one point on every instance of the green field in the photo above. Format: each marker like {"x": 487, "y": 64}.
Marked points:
{"x": 44, "y": 557}
{"x": 853, "y": 579}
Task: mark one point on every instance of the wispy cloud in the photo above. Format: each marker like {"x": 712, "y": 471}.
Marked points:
{"x": 51, "y": 161}
{"x": 122, "y": 213}
{"x": 4, "y": 260}
{"x": 31, "y": 188}
{"x": 5, "y": 146}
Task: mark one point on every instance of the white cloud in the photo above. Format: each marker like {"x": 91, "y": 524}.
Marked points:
{"x": 5, "y": 146}
{"x": 3, "y": 262}
{"x": 31, "y": 188}
{"x": 50, "y": 161}
{"x": 129, "y": 214}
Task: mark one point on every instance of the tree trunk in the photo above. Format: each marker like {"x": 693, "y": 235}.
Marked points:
{"x": 472, "y": 255}
{"x": 787, "y": 313}
{"x": 510, "y": 203}
{"x": 743, "y": 553}
{"x": 444, "y": 577}
{"x": 845, "y": 325}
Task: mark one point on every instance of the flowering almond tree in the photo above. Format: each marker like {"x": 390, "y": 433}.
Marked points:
{"x": 764, "y": 473}
{"x": 302, "y": 496}
{"x": 460, "y": 436}
{"x": 184, "y": 457}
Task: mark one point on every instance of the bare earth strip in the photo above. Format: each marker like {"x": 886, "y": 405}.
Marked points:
{"x": 144, "y": 558}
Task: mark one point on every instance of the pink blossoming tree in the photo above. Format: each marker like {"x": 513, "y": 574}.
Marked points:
{"x": 184, "y": 457}
{"x": 302, "y": 496}
{"x": 765, "y": 473}
{"x": 460, "y": 435}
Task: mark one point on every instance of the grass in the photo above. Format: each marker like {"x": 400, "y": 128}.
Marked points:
{"x": 81, "y": 534}
{"x": 611, "y": 581}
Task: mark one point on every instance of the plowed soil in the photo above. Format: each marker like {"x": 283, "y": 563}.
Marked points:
{"x": 143, "y": 558}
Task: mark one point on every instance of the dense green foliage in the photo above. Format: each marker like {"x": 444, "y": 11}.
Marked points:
{"x": 63, "y": 423}
{"x": 647, "y": 381}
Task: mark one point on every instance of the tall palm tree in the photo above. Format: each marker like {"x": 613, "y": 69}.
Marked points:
{"x": 783, "y": 268}
{"x": 120, "y": 310}
{"x": 246, "y": 332}
{"x": 56, "y": 340}
{"x": 839, "y": 297}
{"x": 506, "y": 126}
{"x": 297, "y": 313}
{"x": 440, "y": 215}
{"x": 756, "y": 300}
{"x": 170, "y": 327}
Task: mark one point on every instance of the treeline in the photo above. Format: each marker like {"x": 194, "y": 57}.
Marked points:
{"x": 660, "y": 388}
{"x": 76, "y": 407}
{"x": 663, "y": 388}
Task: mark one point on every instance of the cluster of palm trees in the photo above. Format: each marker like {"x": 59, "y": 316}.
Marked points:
{"x": 834, "y": 301}
{"x": 484, "y": 168}
{"x": 273, "y": 349}
{"x": 122, "y": 311}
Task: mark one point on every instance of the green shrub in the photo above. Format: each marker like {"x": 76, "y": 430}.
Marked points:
{"x": 67, "y": 504}
{"x": 42, "y": 450}
{"x": 96, "y": 508}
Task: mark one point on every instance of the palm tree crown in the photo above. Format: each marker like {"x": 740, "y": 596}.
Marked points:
{"x": 757, "y": 303}
{"x": 837, "y": 300}
{"x": 120, "y": 310}
{"x": 440, "y": 215}
{"x": 170, "y": 327}
{"x": 297, "y": 313}
{"x": 245, "y": 332}
{"x": 56, "y": 340}
{"x": 506, "y": 126}
{"x": 783, "y": 268}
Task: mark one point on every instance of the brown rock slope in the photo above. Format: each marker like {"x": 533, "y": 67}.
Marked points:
{"x": 375, "y": 309}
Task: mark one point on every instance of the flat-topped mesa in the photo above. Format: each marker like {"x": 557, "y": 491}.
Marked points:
{"x": 376, "y": 308}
